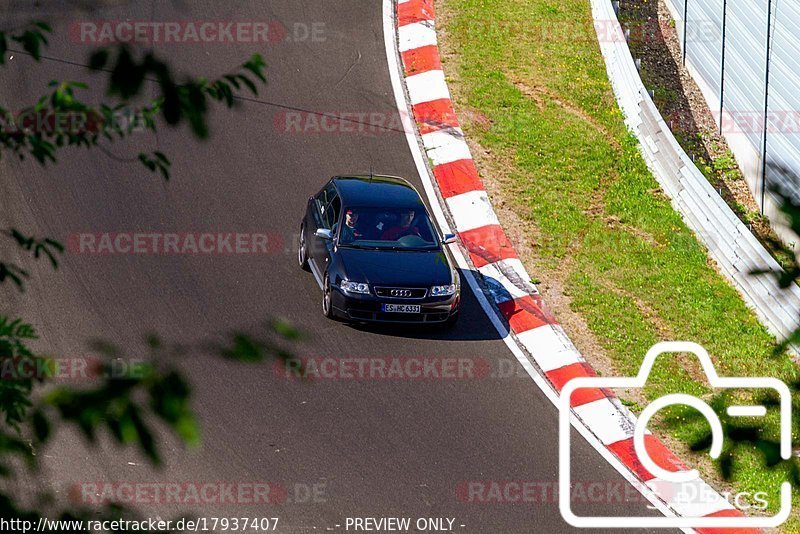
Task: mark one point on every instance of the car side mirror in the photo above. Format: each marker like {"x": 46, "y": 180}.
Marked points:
{"x": 324, "y": 233}
{"x": 449, "y": 238}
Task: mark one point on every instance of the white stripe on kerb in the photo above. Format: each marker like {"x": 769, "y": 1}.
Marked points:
{"x": 550, "y": 347}
{"x": 471, "y": 210}
{"x": 608, "y": 422}
{"x": 427, "y": 86}
{"x": 441, "y": 138}
{"x": 446, "y": 146}
{"x": 507, "y": 280}
{"x": 416, "y": 35}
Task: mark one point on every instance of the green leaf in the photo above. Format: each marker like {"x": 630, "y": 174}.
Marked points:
{"x": 126, "y": 76}
{"x": 726, "y": 465}
{"x": 43, "y": 26}
{"x": 31, "y": 41}
{"x": 256, "y": 65}
{"x": 146, "y": 161}
{"x": 153, "y": 341}
{"x": 285, "y": 329}
{"x": 250, "y": 85}
{"x": 3, "y": 47}
{"x": 55, "y": 244}
{"x": 244, "y": 349}
{"x": 98, "y": 59}
{"x": 186, "y": 427}
{"x": 127, "y": 430}
{"x": 232, "y": 79}
{"x": 41, "y": 427}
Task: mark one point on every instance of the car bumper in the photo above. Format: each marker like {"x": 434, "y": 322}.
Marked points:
{"x": 368, "y": 308}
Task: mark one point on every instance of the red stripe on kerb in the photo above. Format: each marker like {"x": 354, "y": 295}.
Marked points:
{"x": 422, "y": 59}
{"x": 660, "y": 454}
{"x": 727, "y": 513}
{"x": 415, "y": 11}
{"x": 559, "y": 377}
{"x": 458, "y": 177}
{"x": 525, "y": 313}
{"x": 435, "y": 115}
{"x": 487, "y": 244}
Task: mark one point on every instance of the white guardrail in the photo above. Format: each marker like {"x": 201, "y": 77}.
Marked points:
{"x": 730, "y": 243}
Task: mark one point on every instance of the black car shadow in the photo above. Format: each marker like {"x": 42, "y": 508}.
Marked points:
{"x": 473, "y": 323}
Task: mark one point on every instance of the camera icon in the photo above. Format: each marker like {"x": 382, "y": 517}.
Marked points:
{"x": 674, "y": 479}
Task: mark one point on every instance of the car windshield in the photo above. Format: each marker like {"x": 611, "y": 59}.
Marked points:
{"x": 387, "y": 228}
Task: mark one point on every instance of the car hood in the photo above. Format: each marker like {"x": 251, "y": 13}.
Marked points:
{"x": 396, "y": 268}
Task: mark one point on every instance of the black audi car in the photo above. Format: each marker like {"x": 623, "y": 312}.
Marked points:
{"x": 376, "y": 254}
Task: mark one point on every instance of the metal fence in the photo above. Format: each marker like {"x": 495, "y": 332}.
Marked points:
{"x": 745, "y": 57}
{"x": 730, "y": 243}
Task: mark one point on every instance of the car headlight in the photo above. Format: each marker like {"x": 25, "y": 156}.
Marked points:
{"x": 441, "y": 291}
{"x": 354, "y": 287}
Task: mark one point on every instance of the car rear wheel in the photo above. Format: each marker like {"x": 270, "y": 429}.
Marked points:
{"x": 327, "y": 308}
{"x": 302, "y": 255}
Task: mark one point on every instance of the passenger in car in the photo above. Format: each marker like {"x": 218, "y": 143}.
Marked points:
{"x": 403, "y": 228}
{"x": 351, "y": 230}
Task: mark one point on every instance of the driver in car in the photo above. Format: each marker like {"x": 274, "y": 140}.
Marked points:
{"x": 350, "y": 230}
{"x": 403, "y": 228}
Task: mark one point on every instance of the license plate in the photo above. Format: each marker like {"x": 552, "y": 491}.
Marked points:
{"x": 401, "y": 308}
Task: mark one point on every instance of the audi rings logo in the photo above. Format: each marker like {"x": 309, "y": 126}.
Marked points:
{"x": 400, "y": 293}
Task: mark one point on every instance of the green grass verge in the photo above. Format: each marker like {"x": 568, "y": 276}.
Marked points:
{"x": 533, "y": 71}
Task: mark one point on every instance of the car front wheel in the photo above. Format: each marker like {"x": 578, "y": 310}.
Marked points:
{"x": 327, "y": 307}
{"x": 302, "y": 255}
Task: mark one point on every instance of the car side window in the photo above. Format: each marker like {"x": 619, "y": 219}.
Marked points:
{"x": 323, "y": 198}
{"x": 332, "y": 211}
{"x": 321, "y": 202}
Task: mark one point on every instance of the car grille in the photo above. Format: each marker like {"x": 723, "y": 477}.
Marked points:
{"x": 367, "y": 315}
{"x": 401, "y": 292}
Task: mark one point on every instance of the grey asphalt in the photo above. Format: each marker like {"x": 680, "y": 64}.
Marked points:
{"x": 371, "y": 448}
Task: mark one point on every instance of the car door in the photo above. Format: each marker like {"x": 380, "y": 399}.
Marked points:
{"x": 330, "y": 216}
{"x": 313, "y": 220}
{"x": 326, "y": 210}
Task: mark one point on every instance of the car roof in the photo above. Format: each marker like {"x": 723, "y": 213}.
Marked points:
{"x": 379, "y": 191}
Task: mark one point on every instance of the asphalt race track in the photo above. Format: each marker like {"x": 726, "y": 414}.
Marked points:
{"x": 342, "y": 447}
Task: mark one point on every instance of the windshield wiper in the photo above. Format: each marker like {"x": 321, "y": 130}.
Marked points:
{"x": 412, "y": 249}
{"x": 391, "y": 247}
{"x": 362, "y": 247}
